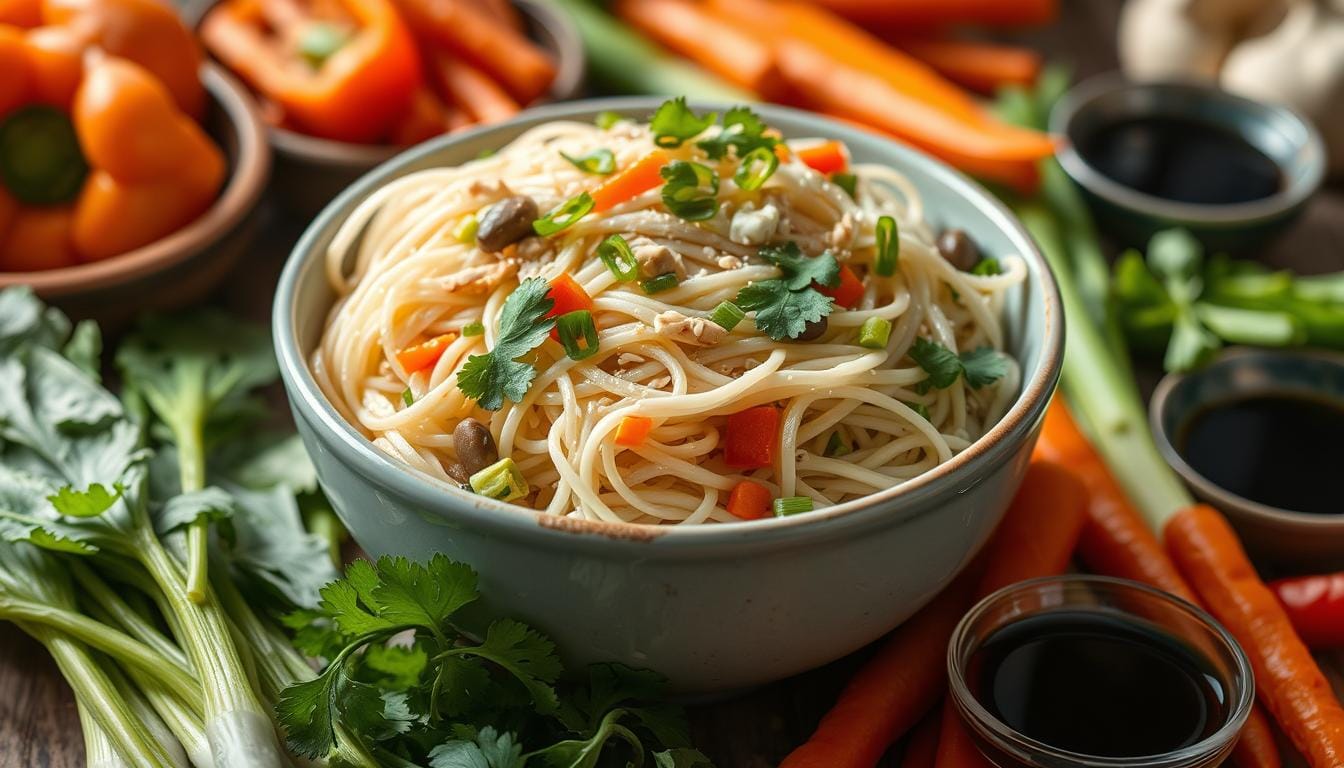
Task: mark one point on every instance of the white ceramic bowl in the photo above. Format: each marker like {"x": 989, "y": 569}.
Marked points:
{"x": 714, "y": 607}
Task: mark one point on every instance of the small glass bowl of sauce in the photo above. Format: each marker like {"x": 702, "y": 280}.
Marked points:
{"x": 1095, "y": 672}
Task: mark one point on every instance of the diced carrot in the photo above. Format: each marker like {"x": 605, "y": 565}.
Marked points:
{"x": 749, "y": 501}
{"x": 470, "y": 89}
{"x": 425, "y": 354}
{"x": 751, "y": 439}
{"x": 568, "y": 296}
{"x": 630, "y": 182}
{"x": 633, "y": 430}
{"x": 827, "y": 157}
{"x": 849, "y": 292}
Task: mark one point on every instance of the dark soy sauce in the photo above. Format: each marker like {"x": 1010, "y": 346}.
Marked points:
{"x": 1276, "y": 449}
{"x": 1183, "y": 160}
{"x": 1097, "y": 683}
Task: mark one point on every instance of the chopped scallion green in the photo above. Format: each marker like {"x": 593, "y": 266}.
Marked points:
{"x": 792, "y": 505}
{"x": 874, "y": 333}
{"x": 727, "y": 315}
{"x": 407, "y": 397}
{"x": 986, "y": 267}
{"x": 578, "y": 334}
{"x": 320, "y": 41}
{"x": 474, "y": 329}
{"x": 691, "y": 190}
{"x": 888, "y": 246}
{"x": 501, "y": 480}
{"x": 836, "y": 446}
{"x": 465, "y": 231}
{"x": 919, "y": 408}
{"x": 606, "y": 119}
{"x": 846, "y": 181}
{"x": 616, "y": 254}
{"x": 663, "y": 282}
{"x": 564, "y": 216}
{"x": 600, "y": 161}
{"x": 756, "y": 168}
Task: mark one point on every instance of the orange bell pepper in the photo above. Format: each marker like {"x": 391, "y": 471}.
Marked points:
{"x": 356, "y": 91}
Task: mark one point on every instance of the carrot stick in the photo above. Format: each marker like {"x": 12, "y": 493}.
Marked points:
{"x": 955, "y": 747}
{"x": 467, "y": 87}
{"x": 503, "y": 52}
{"x": 937, "y": 13}
{"x": 1116, "y": 542}
{"x": 984, "y": 67}
{"x": 922, "y": 746}
{"x": 711, "y": 42}
{"x": 643, "y": 175}
{"x": 1288, "y": 681}
{"x": 902, "y": 681}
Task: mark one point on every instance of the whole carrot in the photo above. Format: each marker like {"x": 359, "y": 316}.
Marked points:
{"x": 980, "y": 66}
{"x": 1116, "y": 542}
{"x": 955, "y": 747}
{"x": 921, "y": 748}
{"x": 902, "y": 14}
{"x": 1207, "y": 551}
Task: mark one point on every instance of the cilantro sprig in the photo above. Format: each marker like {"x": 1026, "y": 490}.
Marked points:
{"x": 675, "y": 123}
{"x": 523, "y": 326}
{"x": 981, "y": 366}
{"x": 785, "y": 305}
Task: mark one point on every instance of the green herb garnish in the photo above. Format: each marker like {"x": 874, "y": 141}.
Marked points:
{"x": 474, "y": 328}
{"x": 565, "y": 215}
{"x": 691, "y": 190}
{"x": 727, "y": 315}
{"x": 578, "y": 334}
{"x": 664, "y": 282}
{"x": 848, "y": 182}
{"x": 981, "y": 367}
{"x": 743, "y": 132}
{"x": 785, "y": 305}
{"x": 675, "y": 123}
{"x": 600, "y": 161}
{"x": 888, "y": 246}
{"x": 756, "y": 168}
{"x": 606, "y": 119}
{"x": 987, "y": 266}
{"x": 615, "y": 252}
{"x": 793, "y": 505}
{"x": 523, "y": 326}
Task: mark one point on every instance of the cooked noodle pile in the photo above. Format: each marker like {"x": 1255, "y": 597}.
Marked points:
{"x": 853, "y": 420}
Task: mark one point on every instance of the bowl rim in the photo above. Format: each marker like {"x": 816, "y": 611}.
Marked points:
{"x": 439, "y": 497}
{"x": 571, "y": 63}
{"x": 1085, "y": 95}
{"x": 1163, "y": 401}
{"x": 241, "y": 193}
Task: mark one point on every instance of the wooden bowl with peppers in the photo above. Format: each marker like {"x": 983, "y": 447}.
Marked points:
{"x": 128, "y": 169}
{"x": 347, "y": 84}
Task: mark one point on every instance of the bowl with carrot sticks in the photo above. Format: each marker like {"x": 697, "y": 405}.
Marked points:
{"x": 768, "y": 587}
{"x": 129, "y": 175}
{"x": 346, "y": 84}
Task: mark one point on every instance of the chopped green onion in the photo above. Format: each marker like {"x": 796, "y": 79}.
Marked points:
{"x": 758, "y": 166}
{"x": 874, "y": 333}
{"x": 501, "y": 480}
{"x": 888, "y": 246}
{"x": 407, "y": 397}
{"x": 577, "y": 333}
{"x": 919, "y": 408}
{"x": 616, "y": 254}
{"x": 691, "y": 190}
{"x": 727, "y": 315}
{"x": 663, "y": 282}
{"x": 987, "y": 266}
{"x": 836, "y": 446}
{"x": 474, "y": 329}
{"x": 600, "y": 161}
{"x": 484, "y": 153}
{"x": 465, "y": 231}
{"x": 606, "y": 119}
{"x": 564, "y": 216}
{"x": 792, "y": 505}
{"x": 320, "y": 41}
{"x": 846, "y": 181}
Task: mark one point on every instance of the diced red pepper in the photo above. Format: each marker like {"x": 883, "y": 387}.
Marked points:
{"x": 751, "y": 439}
{"x": 849, "y": 292}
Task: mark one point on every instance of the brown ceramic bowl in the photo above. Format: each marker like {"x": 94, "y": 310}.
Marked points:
{"x": 182, "y": 267}
{"x": 310, "y": 171}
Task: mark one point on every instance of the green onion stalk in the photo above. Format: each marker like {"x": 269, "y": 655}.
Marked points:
{"x": 99, "y": 752}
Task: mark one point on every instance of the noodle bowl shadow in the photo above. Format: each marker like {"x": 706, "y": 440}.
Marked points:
{"x": 714, "y": 607}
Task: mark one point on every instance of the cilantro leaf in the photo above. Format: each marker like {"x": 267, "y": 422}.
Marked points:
{"x": 983, "y": 366}
{"x": 523, "y": 326}
{"x": 801, "y": 270}
{"x": 674, "y": 123}
{"x": 211, "y": 504}
{"x": 489, "y": 749}
{"x": 782, "y": 313}
{"x": 307, "y": 713}
{"x": 527, "y": 655}
{"x": 410, "y": 593}
{"x": 87, "y": 503}
{"x": 743, "y": 131}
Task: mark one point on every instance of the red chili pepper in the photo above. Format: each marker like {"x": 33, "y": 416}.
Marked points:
{"x": 849, "y": 292}
{"x": 752, "y": 438}
{"x": 1315, "y": 605}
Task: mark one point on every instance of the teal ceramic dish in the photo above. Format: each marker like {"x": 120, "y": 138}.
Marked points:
{"x": 1297, "y": 539}
{"x": 713, "y": 607}
{"x": 1131, "y": 217}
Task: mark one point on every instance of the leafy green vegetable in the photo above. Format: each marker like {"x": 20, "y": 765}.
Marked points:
{"x": 690, "y": 190}
{"x": 800, "y": 270}
{"x": 523, "y": 326}
{"x": 674, "y": 123}
{"x": 743, "y": 132}
{"x": 600, "y": 161}
{"x": 785, "y": 305}
{"x": 981, "y": 367}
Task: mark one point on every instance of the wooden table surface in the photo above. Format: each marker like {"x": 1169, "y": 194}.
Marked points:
{"x": 38, "y": 725}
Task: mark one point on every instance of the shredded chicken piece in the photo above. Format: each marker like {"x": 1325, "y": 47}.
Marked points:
{"x": 754, "y": 226}
{"x": 842, "y": 234}
{"x": 533, "y": 248}
{"x": 688, "y": 330}
{"x": 494, "y": 188}
{"x": 729, "y": 262}
{"x": 479, "y": 280}
{"x": 628, "y": 358}
{"x": 655, "y": 260}
{"x": 660, "y": 382}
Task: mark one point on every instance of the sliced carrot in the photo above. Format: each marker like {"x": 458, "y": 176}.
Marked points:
{"x": 827, "y": 157}
{"x": 751, "y": 438}
{"x": 633, "y": 430}
{"x": 471, "y": 90}
{"x": 849, "y": 292}
{"x": 749, "y": 501}
{"x": 630, "y": 182}
{"x": 523, "y": 68}
{"x": 984, "y": 67}
{"x": 425, "y": 354}
{"x": 1288, "y": 680}
{"x": 716, "y": 45}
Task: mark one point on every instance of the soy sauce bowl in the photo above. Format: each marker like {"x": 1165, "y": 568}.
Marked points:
{"x": 1131, "y": 217}
{"x": 1289, "y": 537}
{"x": 1149, "y": 610}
